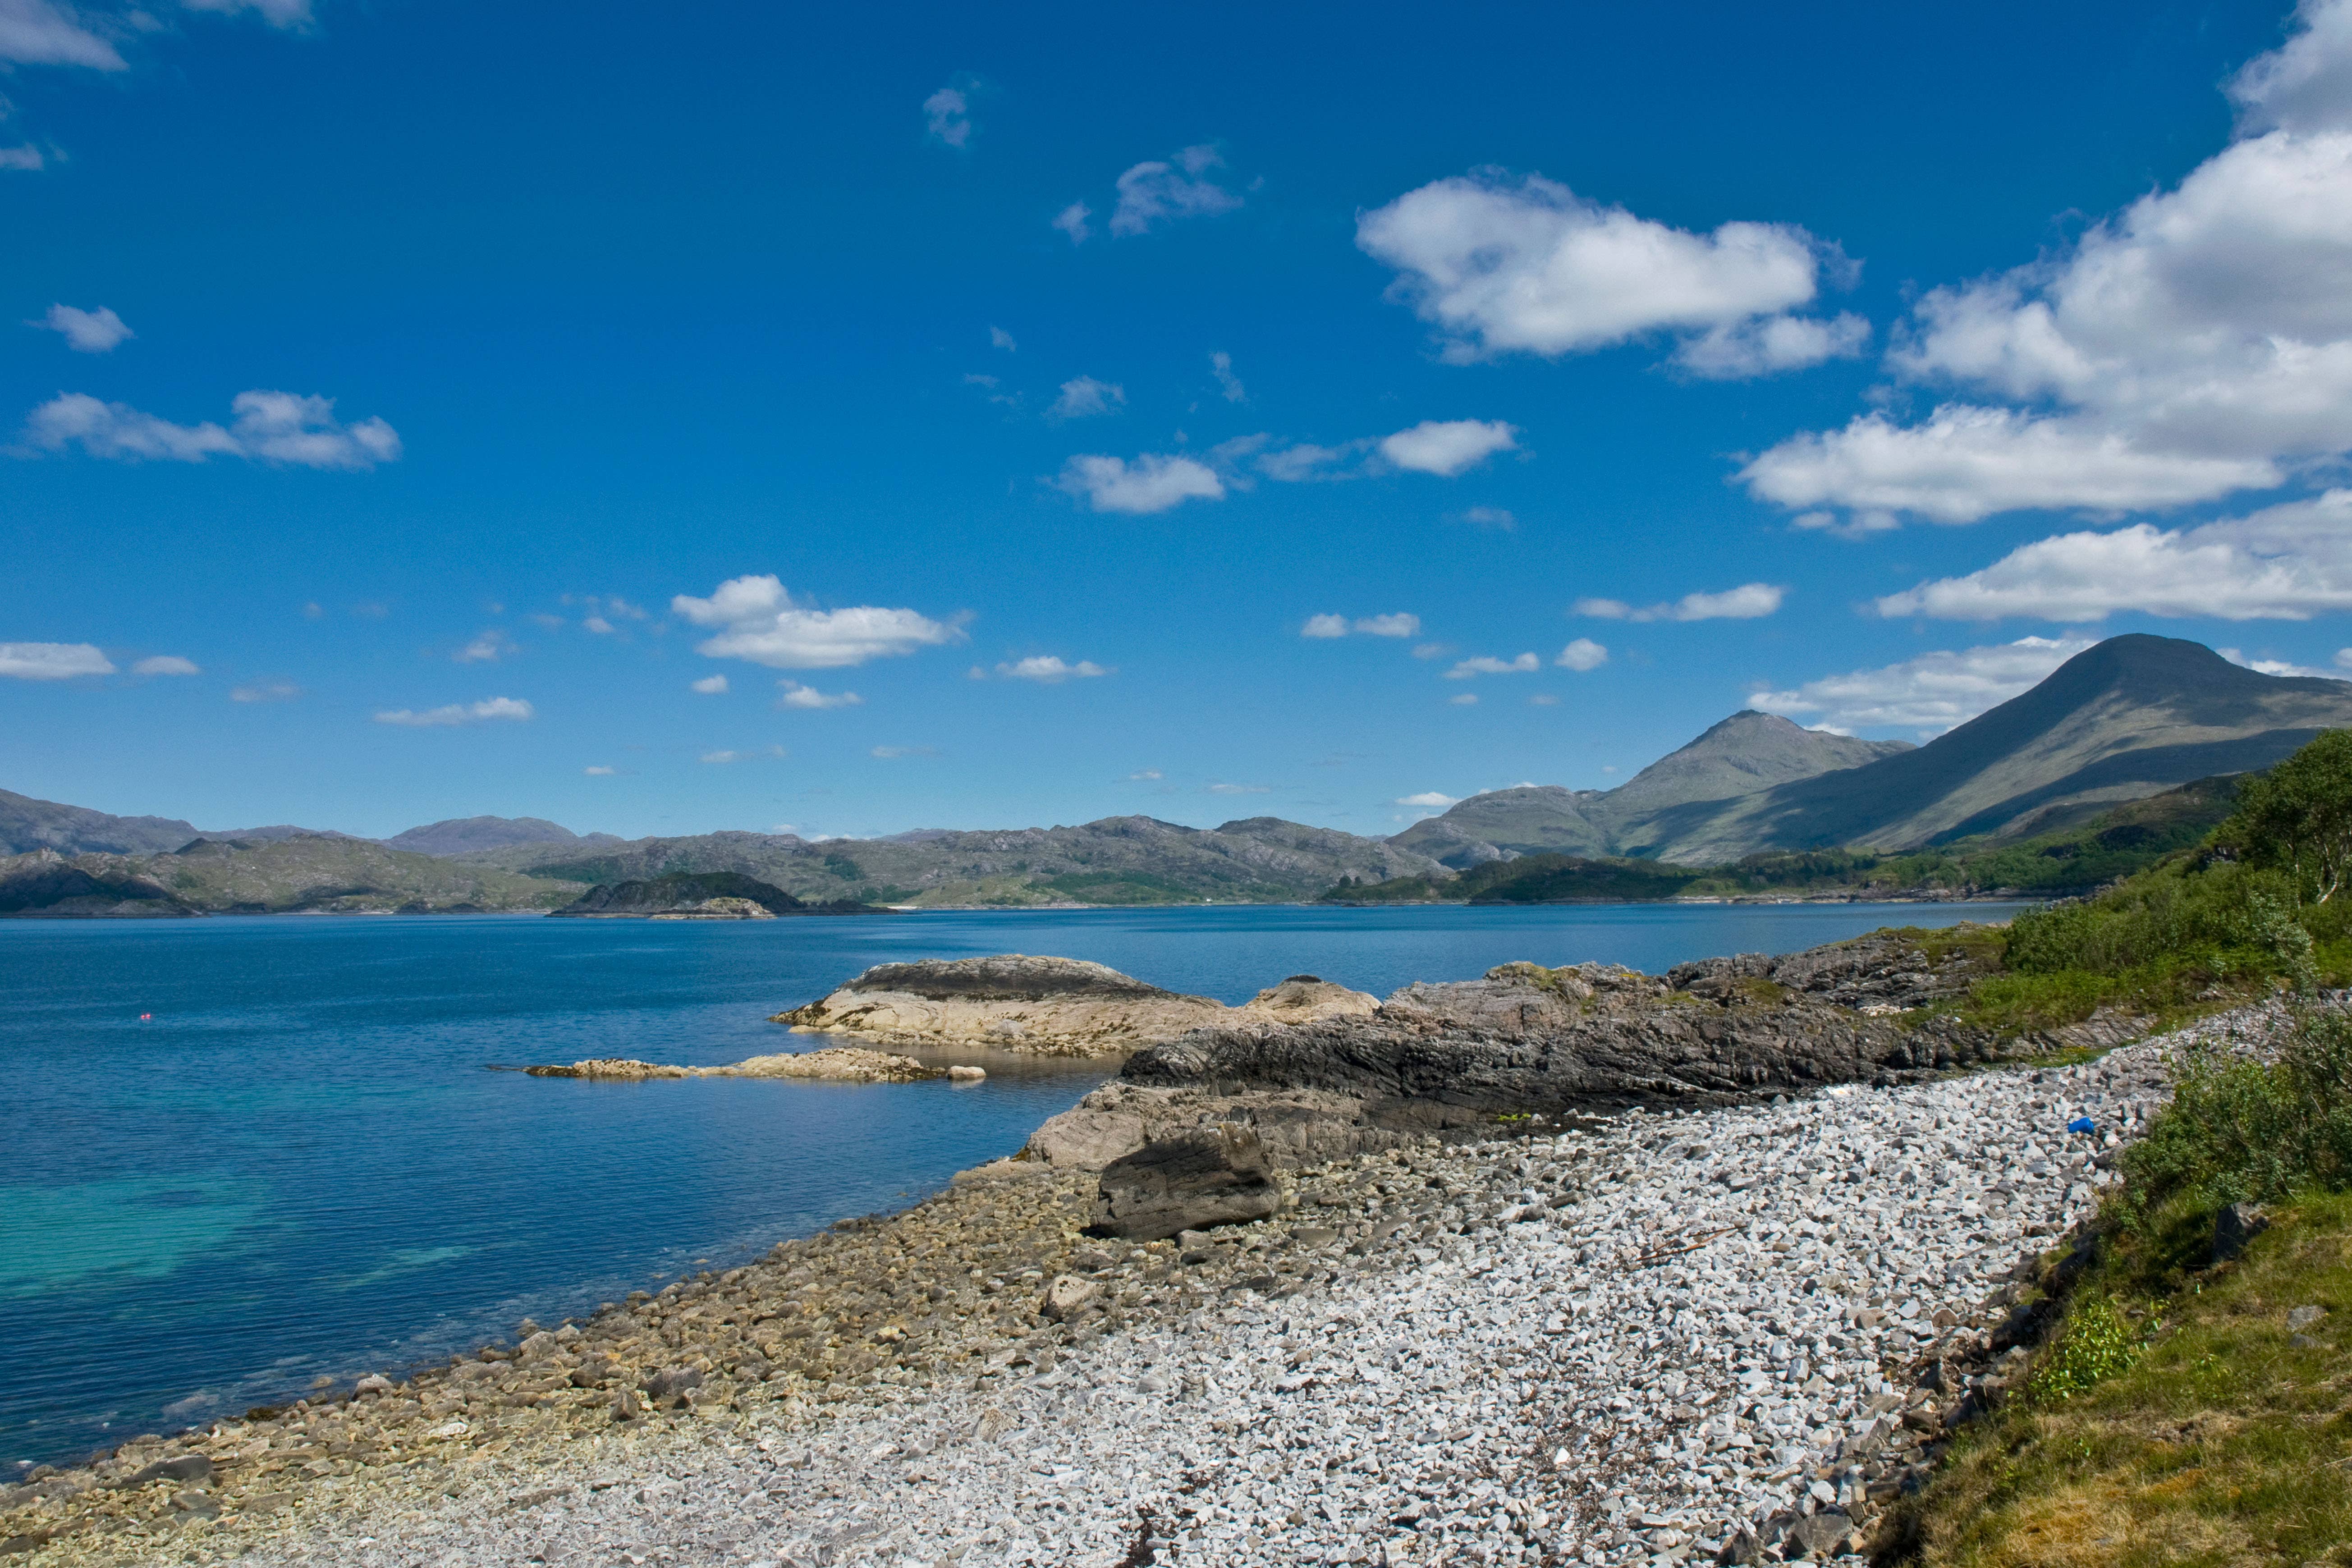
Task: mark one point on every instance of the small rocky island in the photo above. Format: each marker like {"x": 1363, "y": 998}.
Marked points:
{"x": 700, "y": 896}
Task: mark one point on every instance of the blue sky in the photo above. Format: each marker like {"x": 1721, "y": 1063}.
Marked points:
{"x": 417, "y": 409}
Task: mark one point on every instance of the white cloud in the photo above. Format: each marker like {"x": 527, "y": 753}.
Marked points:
{"x": 2280, "y": 666}
{"x": 488, "y": 710}
{"x": 1493, "y": 517}
{"x": 1238, "y": 789}
{"x": 1432, "y": 650}
{"x": 2285, "y": 563}
{"x": 998, "y": 338}
{"x": 795, "y": 695}
{"x": 758, "y": 621}
{"x": 1483, "y": 665}
{"x": 1221, "y": 365}
{"x": 1447, "y": 448}
{"x": 2195, "y": 343}
{"x": 720, "y": 759}
{"x": 165, "y": 664}
{"x": 1748, "y": 602}
{"x": 270, "y": 427}
{"x": 1583, "y": 654}
{"x": 26, "y": 159}
{"x": 1965, "y": 463}
{"x": 599, "y": 772}
{"x": 486, "y": 648}
{"x": 1071, "y": 220}
{"x": 1771, "y": 344}
{"x": 86, "y": 331}
{"x": 1048, "y": 669}
{"x": 1085, "y": 397}
{"x": 1324, "y": 626}
{"x": 1930, "y": 693}
{"x": 290, "y": 16}
{"x": 1399, "y": 625}
{"x": 1143, "y": 774}
{"x": 1305, "y": 461}
{"x": 600, "y": 626}
{"x": 709, "y": 685}
{"x": 52, "y": 660}
{"x": 266, "y": 691}
{"x": 1430, "y": 798}
{"x": 1543, "y": 699}
{"x": 1164, "y": 192}
{"x": 1533, "y": 267}
{"x": 1154, "y": 482}
{"x": 1466, "y": 699}
{"x": 38, "y": 33}
{"x": 947, "y": 116}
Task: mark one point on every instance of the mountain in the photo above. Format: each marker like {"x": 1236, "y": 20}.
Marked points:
{"x": 2131, "y": 717}
{"x": 470, "y": 835}
{"x": 27, "y": 825}
{"x": 1746, "y": 753}
{"x": 1118, "y": 861}
{"x": 311, "y": 874}
{"x": 274, "y": 833}
{"x": 689, "y": 893}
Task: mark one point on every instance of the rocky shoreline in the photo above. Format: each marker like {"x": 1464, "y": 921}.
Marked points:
{"x": 1672, "y": 1334}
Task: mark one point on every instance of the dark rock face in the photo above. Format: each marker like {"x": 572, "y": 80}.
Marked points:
{"x": 43, "y": 885}
{"x": 1876, "y": 971}
{"x": 1001, "y": 977}
{"x": 2235, "y": 1228}
{"x": 1191, "y": 1182}
{"x": 684, "y": 891}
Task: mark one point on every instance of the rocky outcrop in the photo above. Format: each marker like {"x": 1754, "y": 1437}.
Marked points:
{"x": 1217, "y": 1176}
{"x": 840, "y": 1064}
{"x": 718, "y": 910}
{"x": 1048, "y": 1007}
{"x": 1526, "y": 1046}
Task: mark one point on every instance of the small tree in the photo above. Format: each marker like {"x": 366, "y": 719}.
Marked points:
{"x": 2298, "y": 817}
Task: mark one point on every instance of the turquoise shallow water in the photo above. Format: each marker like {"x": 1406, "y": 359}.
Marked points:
{"x": 295, "y": 1166}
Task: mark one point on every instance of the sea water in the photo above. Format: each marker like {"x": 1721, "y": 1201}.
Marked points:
{"x": 237, "y": 1155}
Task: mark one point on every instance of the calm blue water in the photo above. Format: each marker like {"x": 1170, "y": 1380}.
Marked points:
{"x": 298, "y": 1168}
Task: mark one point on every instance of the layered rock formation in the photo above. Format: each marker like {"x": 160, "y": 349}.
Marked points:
{"x": 1046, "y": 1006}
{"x": 1528, "y": 1045}
{"x": 841, "y": 1065}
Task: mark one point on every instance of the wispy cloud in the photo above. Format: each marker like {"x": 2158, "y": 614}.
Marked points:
{"x": 1221, "y": 365}
{"x": 1142, "y": 775}
{"x": 38, "y": 33}
{"x": 266, "y": 691}
{"x": 165, "y": 664}
{"x": 1084, "y": 397}
{"x": 947, "y": 116}
{"x": 599, "y": 772}
{"x": 1430, "y": 798}
{"x": 720, "y": 759}
{"x": 1748, "y": 602}
{"x": 1162, "y": 192}
{"x": 1399, "y": 624}
{"x": 279, "y": 428}
{"x": 998, "y": 338}
{"x": 486, "y": 648}
{"x": 709, "y": 685}
{"x": 1153, "y": 483}
{"x": 1048, "y": 669}
{"x": 1239, "y": 789}
{"x": 490, "y": 710}
{"x": 792, "y": 694}
{"x": 1071, "y": 220}
{"x": 1483, "y": 665}
{"x": 1930, "y": 693}
{"x": 892, "y": 753}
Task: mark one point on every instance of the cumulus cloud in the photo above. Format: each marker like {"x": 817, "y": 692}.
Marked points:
{"x": 1221, "y": 365}
{"x": 2285, "y": 563}
{"x": 1748, "y": 602}
{"x": 1583, "y": 654}
{"x": 266, "y": 691}
{"x": 165, "y": 664}
{"x": 2196, "y": 343}
{"x": 1930, "y": 693}
{"x": 486, "y": 648}
{"x": 1445, "y": 447}
{"x": 1483, "y": 665}
{"x": 2282, "y": 667}
{"x": 1048, "y": 669}
{"x": 38, "y": 33}
{"x": 755, "y": 620}
{"x": 1160, "y": 192}
{"x": 487, "y": 711}
{"x": 269, "y": 427}
{"x": 1085, "y": 398}
{"x": 85, "y": 331}
{"x": 1153, "y": 483}
{"x": 792, "y": 694}
{"x": 1071, "y": 220}
{"x": 709, "y": 685}
{"x": 52, "y": 660}
{"x": 1531, "y": 268}
{"x": 947, "y": 116}
{"x": 1398, "y": 624}
{"x": 1430, "y": 798}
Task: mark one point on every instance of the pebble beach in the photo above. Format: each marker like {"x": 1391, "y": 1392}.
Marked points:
{"x": 1658, "y": 1336}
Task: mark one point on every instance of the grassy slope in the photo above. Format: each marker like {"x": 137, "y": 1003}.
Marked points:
{"x": 341, "y": 875}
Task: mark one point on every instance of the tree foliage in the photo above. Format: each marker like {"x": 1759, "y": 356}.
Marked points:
{"x": 2297, "y": 819}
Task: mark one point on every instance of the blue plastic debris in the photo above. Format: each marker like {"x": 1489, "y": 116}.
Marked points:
{"x": 2082, "y": 1124}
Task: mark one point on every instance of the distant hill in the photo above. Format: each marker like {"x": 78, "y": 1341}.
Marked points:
{"x": 2135, "y": 715}
{"x": 310, "y": 874}
{"x": 1118, "y": 861}
{"x": 1746, "y": 753}
{"x": 470, "y": 835}
{"x": 27, "y": 825}
{"x": 685, "y": 891}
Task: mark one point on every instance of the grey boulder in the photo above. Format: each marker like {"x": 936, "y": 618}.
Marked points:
{"x": 1192, "y": 1180}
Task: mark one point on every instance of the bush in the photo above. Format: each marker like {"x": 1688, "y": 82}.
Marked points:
{"x": 2096, "y": 1344}
{"x": 2242, "y": 1130}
